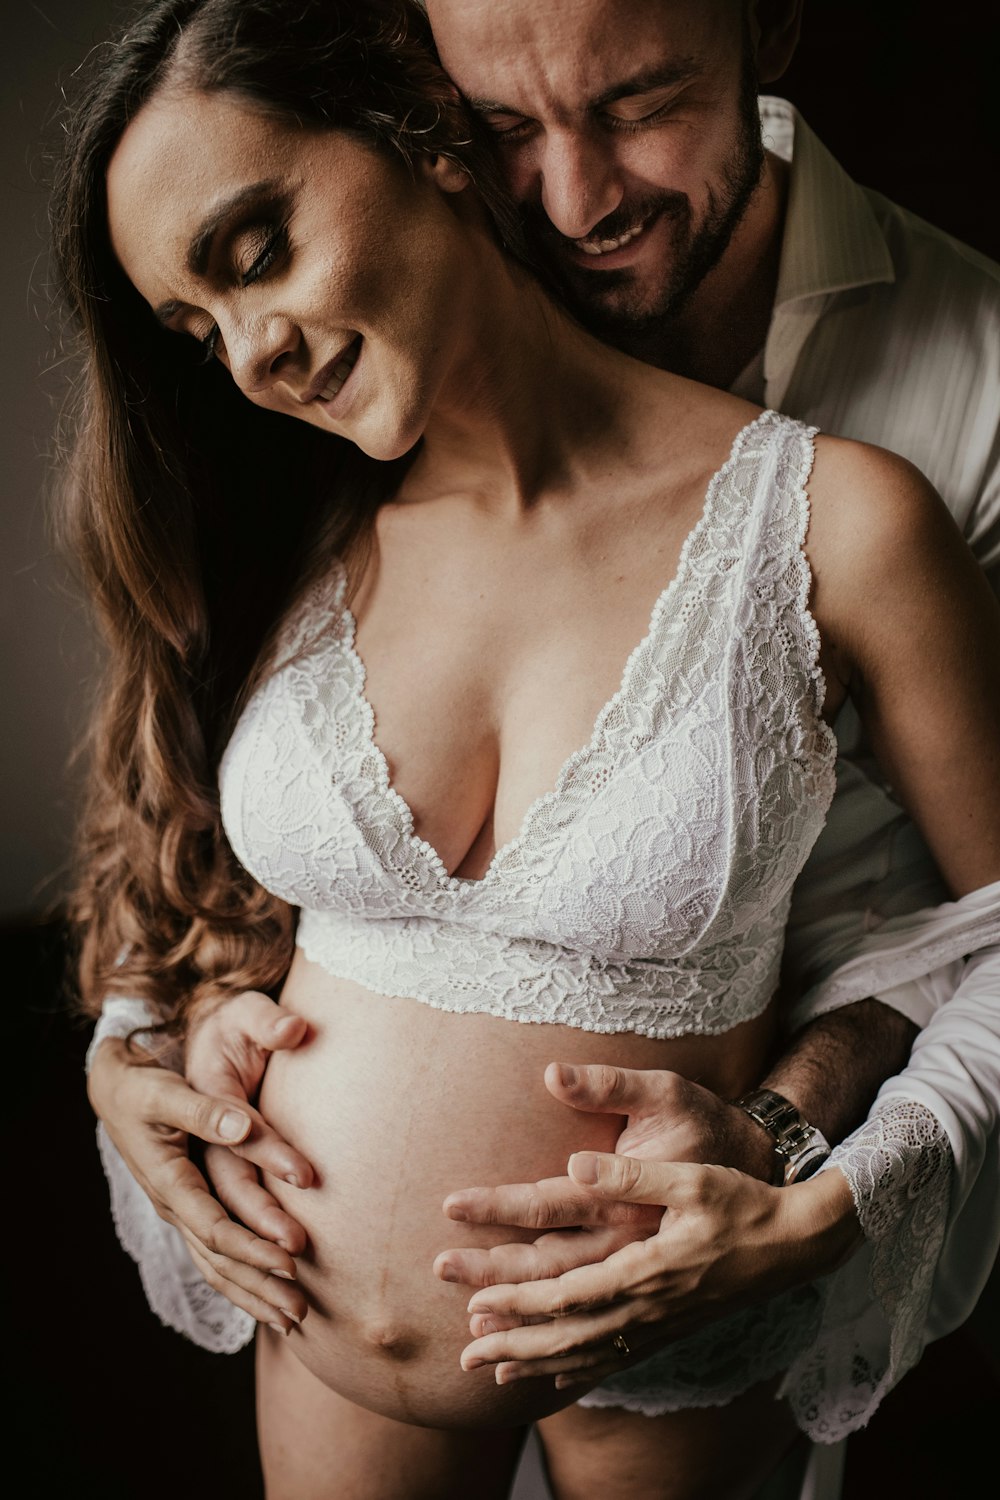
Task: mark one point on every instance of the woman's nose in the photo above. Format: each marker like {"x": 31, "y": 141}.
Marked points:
{"x": 260, "y": 351}
{"x": 581, "y": 182}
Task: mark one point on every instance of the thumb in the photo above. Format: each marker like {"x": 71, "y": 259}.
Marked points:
{"x": 628, "y": 1178}
{"x": 264, "y": 1024}
{"x": 173, "y": 1104}
{"x": 601, "y": 1089}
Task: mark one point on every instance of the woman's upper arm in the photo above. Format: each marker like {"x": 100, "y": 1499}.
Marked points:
{"x": 909, "y": 619}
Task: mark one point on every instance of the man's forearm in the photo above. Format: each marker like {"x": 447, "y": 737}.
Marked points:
{"x": 832, "y": 1069}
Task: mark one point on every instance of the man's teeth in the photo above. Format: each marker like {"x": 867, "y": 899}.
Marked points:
{"x": 602, "y": 247}
{"x": 341, "y": 370}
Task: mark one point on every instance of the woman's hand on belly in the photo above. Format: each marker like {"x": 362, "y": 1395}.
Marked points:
{"x": 725, "y": 1240}
{"x": 226, "y": 1054}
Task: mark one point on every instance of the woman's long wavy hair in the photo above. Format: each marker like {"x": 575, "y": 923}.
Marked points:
{"x": 194, "y": 516}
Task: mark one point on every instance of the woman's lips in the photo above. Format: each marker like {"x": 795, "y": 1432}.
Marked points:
{"x": 334, "y": 377}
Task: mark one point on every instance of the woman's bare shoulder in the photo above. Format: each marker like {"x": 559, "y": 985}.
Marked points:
{"x": 872, "y": 510}
{"x": 881, "y": 541}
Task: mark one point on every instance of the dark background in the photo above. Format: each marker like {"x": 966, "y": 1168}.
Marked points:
{"x": 900, "y": 93}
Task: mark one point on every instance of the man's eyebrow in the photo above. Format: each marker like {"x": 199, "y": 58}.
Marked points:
{"x": 665, "y": 75}
{"x": 489, "y": 106}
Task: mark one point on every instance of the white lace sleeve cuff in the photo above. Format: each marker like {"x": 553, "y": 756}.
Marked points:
{"x": 899, "y": 1167}
{"x": 175, "y": 1290}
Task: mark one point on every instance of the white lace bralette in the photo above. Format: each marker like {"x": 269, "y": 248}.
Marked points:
{"x": 648, "y": 890}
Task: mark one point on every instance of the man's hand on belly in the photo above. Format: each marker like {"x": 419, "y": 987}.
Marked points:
{"x": 611, "y": 1261}
{"x": 669, "y": 1118}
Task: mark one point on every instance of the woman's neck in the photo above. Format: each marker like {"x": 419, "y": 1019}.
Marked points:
{"x": 531, "y": 405}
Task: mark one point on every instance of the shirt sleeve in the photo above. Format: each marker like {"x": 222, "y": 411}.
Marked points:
{"x": 175, "y": 1290}
{"x": 924, "y": 1168}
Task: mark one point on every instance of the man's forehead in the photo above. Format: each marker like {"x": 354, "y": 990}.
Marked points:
{"x": 558, "y": 56}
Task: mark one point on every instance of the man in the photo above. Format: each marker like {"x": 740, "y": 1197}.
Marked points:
{"x": 629, "y": 134}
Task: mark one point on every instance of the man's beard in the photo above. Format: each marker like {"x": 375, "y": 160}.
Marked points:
{"x": 601, "y": 300}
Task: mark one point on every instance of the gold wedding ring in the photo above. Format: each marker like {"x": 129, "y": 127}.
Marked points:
{"x": 620, "y": 1343}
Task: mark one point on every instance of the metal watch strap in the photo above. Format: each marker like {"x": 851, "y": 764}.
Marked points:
{"x": 799, "y": 1146}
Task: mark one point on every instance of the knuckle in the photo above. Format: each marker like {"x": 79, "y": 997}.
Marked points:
{"x": 539, "y": 1212}
{"x": 671, "y": 1087}
{"x": 628, "y": 1173}
{"x": 213, "y": 1239}
{"x": 610, "y": 1083}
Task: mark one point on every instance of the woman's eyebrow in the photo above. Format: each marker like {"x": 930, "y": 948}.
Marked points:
{"x": 200, "y": 247}
{"x": 222, "y": 215}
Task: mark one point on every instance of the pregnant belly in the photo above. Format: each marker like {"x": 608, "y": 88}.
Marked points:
{"x": 397, "y": 1105}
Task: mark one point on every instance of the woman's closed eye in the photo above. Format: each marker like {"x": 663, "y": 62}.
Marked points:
{"x": 259, "y": 248}
{"x": 262, "y": 245}
{"x": 210, "y": 343}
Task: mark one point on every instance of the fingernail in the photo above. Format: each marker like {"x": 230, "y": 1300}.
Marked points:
{"x": 479, "y": 1307}
{"x": 233, "y": 1125}
{"x": 473, "y": 1364}
{"x": 567, "y": 1075}
{"x": 487, "y": 1326}
{"x": 294, "y": 1316}
{"x": 448, "y": 1273}
{"x": 585, "y": 1167}
{"x": 292, "y": 1180}
{"x": 286, "y": 1275}
{"x": 279, "y": 1328}
{"x": 455, "y": 1212}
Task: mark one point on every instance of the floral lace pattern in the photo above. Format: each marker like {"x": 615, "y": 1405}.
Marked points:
{"x": 846, "y": 1341}
{"x": 648, "y": 890}
{"x": 719, "y": 1362}
{"x": 899, "y": 1167}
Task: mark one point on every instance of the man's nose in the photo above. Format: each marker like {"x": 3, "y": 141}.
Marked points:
{"x": 260, "y": 351}
{"x": 581, "y": 182}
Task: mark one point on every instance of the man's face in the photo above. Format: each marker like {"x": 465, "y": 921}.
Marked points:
{"x": 627, "y": 131}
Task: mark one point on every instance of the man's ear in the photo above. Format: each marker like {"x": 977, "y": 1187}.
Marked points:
{"x": 775, "y": 26}
{"x": 445, "y": 173}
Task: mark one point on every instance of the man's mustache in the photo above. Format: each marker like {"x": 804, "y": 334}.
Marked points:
{"x": 626, "y": 216}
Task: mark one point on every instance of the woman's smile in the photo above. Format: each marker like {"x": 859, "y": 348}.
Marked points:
{"x": 334, "y": 375}
{"x": 281, "y": 251}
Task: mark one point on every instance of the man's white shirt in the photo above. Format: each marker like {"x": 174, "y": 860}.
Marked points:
{"x": 887, "y": 331}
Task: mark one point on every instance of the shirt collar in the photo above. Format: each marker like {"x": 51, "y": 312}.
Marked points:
{"x": 832, "y": 238}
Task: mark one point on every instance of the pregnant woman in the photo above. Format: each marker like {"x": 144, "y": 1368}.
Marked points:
{"x": 505, "y": 661}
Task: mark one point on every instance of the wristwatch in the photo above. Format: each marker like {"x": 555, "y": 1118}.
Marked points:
{"x": 799, "y": 1146}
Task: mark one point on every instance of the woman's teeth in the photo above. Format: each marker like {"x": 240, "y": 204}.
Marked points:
{"x": 604, "y": 247}
{"x": 341, "y": 370}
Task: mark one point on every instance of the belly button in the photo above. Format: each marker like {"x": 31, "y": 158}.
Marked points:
{"x": 392, "y": 1340}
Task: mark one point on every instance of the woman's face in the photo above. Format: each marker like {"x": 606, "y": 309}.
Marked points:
{"x": 324, "y": 277}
